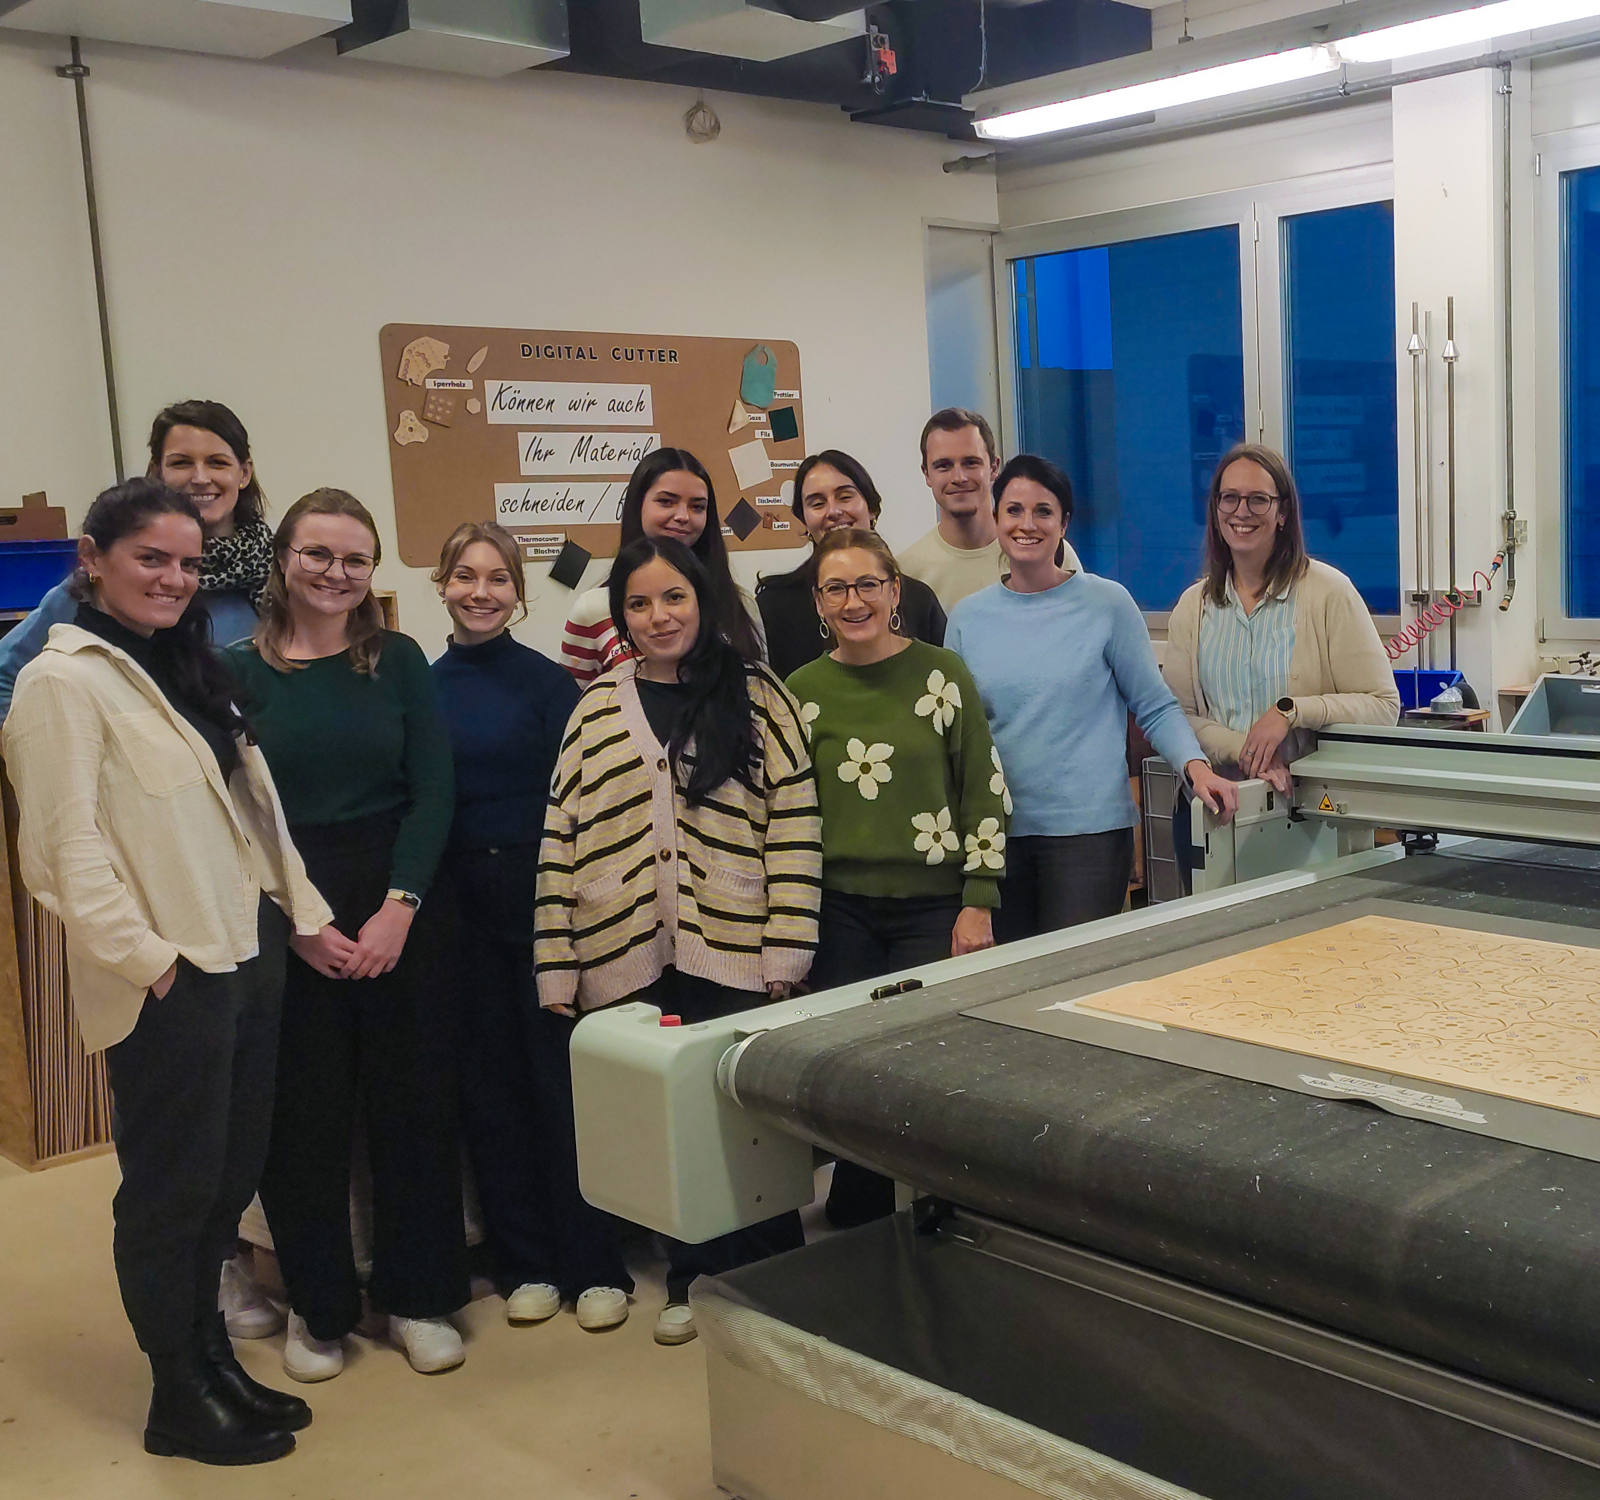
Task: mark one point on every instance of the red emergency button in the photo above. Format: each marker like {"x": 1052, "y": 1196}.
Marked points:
{"x": 672, "y": 1020}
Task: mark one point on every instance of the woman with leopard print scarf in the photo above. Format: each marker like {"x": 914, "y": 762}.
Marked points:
{"x": 201, "y": 449}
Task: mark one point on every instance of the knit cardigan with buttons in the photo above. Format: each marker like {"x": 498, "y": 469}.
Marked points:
{"x": 632, "y": 878}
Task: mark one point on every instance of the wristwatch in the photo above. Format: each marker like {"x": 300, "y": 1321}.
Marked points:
{"x": 1285, "y": 706}
{"x": 405, "y": 898}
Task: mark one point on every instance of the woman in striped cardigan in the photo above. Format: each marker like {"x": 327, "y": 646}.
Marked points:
{"x": 682, "y": 855}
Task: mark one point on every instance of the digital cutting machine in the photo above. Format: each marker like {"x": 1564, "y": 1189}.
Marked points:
{"x": 1126, "y": 1275}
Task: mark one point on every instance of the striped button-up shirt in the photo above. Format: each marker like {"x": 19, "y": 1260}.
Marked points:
{"x": 1244, "y": 659}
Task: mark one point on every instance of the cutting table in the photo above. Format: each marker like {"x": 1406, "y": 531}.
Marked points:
{"x": 1123, "y": 1274}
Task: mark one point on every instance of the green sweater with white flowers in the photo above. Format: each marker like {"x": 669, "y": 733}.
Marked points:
{"x": 913, "y": 798}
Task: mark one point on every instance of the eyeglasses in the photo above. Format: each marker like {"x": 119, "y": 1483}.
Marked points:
{"x": 1257, "y": 502}
{"x": 357, "y": 565}
{"x": 865, "y": 589}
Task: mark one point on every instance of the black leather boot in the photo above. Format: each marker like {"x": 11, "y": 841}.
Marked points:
{"x": 268, "y": 1407}
{"x": 190, "y": 1417}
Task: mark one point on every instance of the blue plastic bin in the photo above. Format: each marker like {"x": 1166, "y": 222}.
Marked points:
{"x": 29, "y": 570}
{"x": 1419, "y": 689}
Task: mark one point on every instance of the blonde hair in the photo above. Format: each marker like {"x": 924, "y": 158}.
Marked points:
{"x": 849, "y": 539}
{"x": 469, "y": 532}
{"x": 364, "y": 630}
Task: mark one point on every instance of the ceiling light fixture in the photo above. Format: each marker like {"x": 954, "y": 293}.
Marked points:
{"x": 1462, "y": 28}
{"x": 1165, "y": 93}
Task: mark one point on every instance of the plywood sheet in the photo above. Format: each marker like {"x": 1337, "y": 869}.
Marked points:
{"x": 1510, "y": 1016}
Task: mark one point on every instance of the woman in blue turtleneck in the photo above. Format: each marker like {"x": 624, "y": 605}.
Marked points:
{"x": 507, "y": 707}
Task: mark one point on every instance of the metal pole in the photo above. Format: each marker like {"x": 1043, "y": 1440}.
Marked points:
{"x": 1508, "y": 324}
{"x": 1451, "y": 355}
{"x": 77, "y": 71}
{"x": 1414, "y": 347}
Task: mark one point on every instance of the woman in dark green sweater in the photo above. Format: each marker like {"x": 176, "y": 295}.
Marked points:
{"x": 346, "y": 716}
{"x": 913, "y": 800}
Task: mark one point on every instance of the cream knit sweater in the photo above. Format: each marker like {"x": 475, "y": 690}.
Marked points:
{"x": 1337, "y": 675}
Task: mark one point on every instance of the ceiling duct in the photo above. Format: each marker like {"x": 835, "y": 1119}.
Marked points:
{"x": 486, "y": 38}
{"x": 735, "y": 28}
{"x": 229, "y": 28}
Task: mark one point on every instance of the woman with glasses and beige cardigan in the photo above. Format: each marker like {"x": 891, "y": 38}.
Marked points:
{"x": 1270, "y": 644}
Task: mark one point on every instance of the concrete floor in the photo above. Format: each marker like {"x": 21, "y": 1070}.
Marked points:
{"x": 549, "y": 1411}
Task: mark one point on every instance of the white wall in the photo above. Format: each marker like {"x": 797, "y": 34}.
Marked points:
{"x": 262, "y": 221}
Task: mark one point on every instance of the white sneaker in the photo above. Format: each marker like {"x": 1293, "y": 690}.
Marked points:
{"x": 602, "y": 1307}
{"x": 245, "y": 1308}
{"x": 431, "y": 1344}
{"x": 307, "y": 1358}
{"x": 675, "y": 1324}
{"x": 533, "y": 1302}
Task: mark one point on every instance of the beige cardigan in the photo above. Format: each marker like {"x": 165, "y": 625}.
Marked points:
{"x": 130, "y": 835}
{"x": 1338, "y": 674}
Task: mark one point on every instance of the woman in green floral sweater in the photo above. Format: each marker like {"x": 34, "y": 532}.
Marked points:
{"x": 913, "y": 799}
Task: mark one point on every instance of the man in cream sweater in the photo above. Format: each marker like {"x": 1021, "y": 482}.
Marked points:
{"x": 962, "y": 553}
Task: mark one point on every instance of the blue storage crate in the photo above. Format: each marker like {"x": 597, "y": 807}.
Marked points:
{"x": 29, "y": 570}
{"x": 1419, "y": 689}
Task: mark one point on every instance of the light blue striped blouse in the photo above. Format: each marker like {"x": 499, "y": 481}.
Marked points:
{"x": 1244, "y": 659}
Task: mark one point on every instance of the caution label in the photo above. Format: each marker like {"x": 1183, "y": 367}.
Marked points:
{"x": 1326, "y": 805}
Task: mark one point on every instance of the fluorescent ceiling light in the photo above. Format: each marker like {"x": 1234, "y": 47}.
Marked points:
{"x": 1461, "y": 28}
{"x": 1166, "y": 93}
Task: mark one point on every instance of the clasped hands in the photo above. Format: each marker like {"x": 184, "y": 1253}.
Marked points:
{"x": 375, "y": 950}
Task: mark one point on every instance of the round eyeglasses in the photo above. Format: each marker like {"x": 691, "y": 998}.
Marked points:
{"x": 1257, "y": 502}
{"x": 357, "y": 565}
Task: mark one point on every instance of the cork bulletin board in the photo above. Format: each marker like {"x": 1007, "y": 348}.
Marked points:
{"x": 540, "y": 430}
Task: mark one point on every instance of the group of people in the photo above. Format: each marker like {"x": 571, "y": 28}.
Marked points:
{"x": 310, "y": 882}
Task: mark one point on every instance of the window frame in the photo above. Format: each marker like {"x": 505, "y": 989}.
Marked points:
{"x": 1258, "y": 213}
{"x": 1561, "y": 152}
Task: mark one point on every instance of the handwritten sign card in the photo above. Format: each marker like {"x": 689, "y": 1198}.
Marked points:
{"x": 540, "y": 431}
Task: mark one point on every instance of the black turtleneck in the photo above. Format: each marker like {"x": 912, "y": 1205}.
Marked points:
{"x": 152, "y": 653}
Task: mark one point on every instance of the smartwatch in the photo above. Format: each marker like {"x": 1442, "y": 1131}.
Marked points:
{"x": 405, "y": 898}
{"x": 1285, "y": 706}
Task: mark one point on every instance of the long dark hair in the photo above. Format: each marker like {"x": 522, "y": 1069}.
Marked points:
{"x": 718, "y": 717}
{"x": 1048, "y": 476}
{"x": 730, "y": 614}
{"x": 215, "y": 418}
{"x": 851, "y": 467}
{"x": 202, "y": 675}
{"x": 1288, "y": 561}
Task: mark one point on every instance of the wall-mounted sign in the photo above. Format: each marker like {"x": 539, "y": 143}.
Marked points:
{"x": 540, "y": 430}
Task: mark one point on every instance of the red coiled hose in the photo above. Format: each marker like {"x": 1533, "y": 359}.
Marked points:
{"x": 1430, "y": 619}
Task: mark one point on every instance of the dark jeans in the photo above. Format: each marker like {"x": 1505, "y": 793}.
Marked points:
{"x": 192, "y": 1091}
{"x": 695, "y": 1000}
{"x": 387, "y": 1047}
{"x": 870, "y": 937}
{"x": 1053, "y": 883}
{"x": 516, "y": 1104}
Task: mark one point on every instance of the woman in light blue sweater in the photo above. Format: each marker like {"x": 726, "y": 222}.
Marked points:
{"x": 1061, "y": 659}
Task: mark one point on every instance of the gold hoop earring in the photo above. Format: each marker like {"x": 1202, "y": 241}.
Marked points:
{"x": 823, "y": 631}
{"x": 894, "y": 620}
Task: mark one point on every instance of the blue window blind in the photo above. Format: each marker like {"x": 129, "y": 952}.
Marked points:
{"x": 1580, "y": 213}
{"x": 1339, "y": 364}
{"x": 1130, "y": 375}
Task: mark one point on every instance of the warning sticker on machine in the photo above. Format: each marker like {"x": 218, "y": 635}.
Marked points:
{"x": 1394, "y": 1094}
{"x": 1326, "y": 805}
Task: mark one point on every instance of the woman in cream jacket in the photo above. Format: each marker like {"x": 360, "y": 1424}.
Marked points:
{"x": 1270, "y": 644}
{"x": 151, "y": 827}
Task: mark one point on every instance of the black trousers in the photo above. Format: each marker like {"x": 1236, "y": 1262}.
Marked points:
{"x": 696, "y": 1000}
{"x": 516, "y": 1097}
{"x": 1053, "y": 883}
{"x": 192, "y": 1107}
{"x": 387, "y": 1048}
{"x": 867, "y": 937}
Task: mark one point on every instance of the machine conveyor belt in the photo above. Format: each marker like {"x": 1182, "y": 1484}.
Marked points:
{"x": 1460, "y": 1249}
